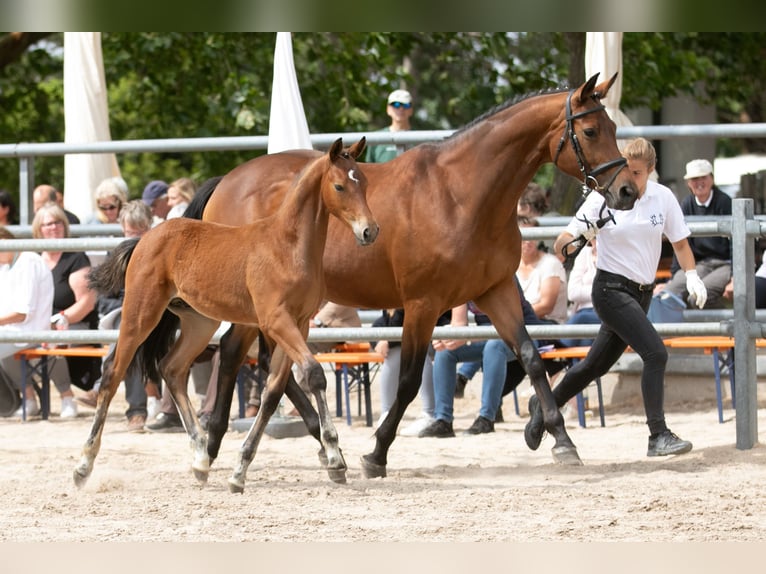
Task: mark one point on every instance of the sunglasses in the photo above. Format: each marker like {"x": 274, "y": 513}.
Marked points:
{"x": 107, "y": 207}
{"x": 398, "y": 105}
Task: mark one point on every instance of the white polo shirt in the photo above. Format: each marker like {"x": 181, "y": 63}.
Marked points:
{"x": 631, "y": 245}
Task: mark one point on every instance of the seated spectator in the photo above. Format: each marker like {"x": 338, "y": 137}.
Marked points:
{"x": 155, "y": 195}
{"x": 7, "y": 209}
{"x": 74, "y": 304}
{"x": 110, "y": 196}
{"x": 180, "y": 194}
{"x": 542, "y": 278}
{"x": 712, "y": 254}
{"x": 579, "y": 288}
{"x": 26, "y": 299}
{"x": 45, "y": 193}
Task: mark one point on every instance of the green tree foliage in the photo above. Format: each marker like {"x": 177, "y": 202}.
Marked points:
{"x": 186, "y": 85}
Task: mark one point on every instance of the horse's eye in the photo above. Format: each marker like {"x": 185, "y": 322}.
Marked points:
{"x": 589, "y": 132}
{"x": 338, "y": 187}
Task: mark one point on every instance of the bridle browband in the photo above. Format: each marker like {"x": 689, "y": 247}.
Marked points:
{"x": 589, "y": 182}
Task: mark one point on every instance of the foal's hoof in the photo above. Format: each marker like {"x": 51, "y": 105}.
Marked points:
{"x": 235, "y": 486}
{"x": 200, "y": 475}
{"x": 566, "y": 455}
{"x": 79, "y": 478}
{"x": 337, "y": 475}
{"x": 372, "y": 469}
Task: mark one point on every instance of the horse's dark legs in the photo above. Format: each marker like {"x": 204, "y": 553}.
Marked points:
{"x": 410, "y": 376}
{"x": 233, "y": 349}
{"x": 310, "y": 417}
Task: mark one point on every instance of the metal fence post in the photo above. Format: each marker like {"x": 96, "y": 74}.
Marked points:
{"x": 745, "y": 377}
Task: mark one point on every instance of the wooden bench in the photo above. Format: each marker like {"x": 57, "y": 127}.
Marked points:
{"x": 29, "y": 369}
{"x": 575, "y": 354}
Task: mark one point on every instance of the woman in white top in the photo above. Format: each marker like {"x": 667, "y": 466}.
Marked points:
{"x": 26, "y": 299}
{"x": 629, "y": 247}
{"x": 542, "y": 278}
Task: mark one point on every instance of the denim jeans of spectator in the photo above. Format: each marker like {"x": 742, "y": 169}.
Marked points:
{"x": 445, "y": 373}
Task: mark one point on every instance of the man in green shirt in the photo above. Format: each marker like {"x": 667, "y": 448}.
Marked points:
{"x": 399, "y": 109}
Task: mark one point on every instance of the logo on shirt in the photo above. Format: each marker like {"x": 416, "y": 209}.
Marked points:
{"x": 657, "y": 219}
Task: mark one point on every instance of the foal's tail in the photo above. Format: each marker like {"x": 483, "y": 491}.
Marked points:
{"x": 109, "y": 279}
{"x": 197, "y": 205}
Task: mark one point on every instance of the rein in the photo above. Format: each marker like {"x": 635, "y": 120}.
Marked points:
{"x": 589, "y": 183}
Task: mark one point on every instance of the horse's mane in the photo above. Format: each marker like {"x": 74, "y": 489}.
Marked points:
{"x": 505, "y": 105}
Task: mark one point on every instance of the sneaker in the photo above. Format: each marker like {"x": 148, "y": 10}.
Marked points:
{"x": 89, "y": 399}
{"x": 499, "y": 415}
{"x": 667, "y": 443}
{"x": 460, "y": 384}
{"x": 438, "y": 429}
{"x": 535, "y": 427}
{"x": 136, "y": 423}
{"x": 416, "y": 426}
{"x": 480, "y": 426}
{"x": 166, "y": 423}
{"x": 152, "y": 407}
{"x": 68, "y": 408}
{"x": 33, "y": 409}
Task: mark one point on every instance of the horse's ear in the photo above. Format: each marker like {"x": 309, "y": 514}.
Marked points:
{"x": 587, "y": 89}
{"x": 602, "y": 89}
{"x": 357, "y": 149}
{"x": 335, "y": 149}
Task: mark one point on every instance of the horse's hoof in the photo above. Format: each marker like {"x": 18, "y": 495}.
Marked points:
{"x": 200, "y": 475}
{"x": 236, "y": 487}
{"x": 322, "y": 455}
{"x": 372, "y": 469}
{"x": 566, "y": 455}
{"x": 79, "y": 478}
{"x": 337, "y": 475}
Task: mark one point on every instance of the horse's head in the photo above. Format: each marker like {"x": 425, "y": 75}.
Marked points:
{"x": 344, "y": 190}
{"x": 588, "y": 149}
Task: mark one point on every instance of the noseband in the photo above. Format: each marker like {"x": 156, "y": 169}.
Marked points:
{"x": 589, "y": 182}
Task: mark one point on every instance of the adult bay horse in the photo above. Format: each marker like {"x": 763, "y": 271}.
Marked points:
{"x": 267, "y": 274}
{"x": 448, "y": 211}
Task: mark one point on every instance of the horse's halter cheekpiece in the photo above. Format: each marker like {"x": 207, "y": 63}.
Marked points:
{"x": 589, "y": 182}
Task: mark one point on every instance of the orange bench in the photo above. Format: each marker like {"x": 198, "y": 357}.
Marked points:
{"x": 577, "y": 353}
{"x": 28, "y": 370}
{"x": 352, "y": 367}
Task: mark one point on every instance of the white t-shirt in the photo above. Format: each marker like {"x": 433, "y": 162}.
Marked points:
{"x": 26, "y": 286}
{"x": 548, "y": 266}
{"x": 631, "y": 245}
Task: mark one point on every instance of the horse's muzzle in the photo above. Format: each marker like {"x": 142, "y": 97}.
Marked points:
{"x": 366, "y": 232}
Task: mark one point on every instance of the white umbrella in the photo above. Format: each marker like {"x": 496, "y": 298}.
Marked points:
{"x": 86, "y": 120}
{"x": 603, "y": 54}
{"x": 288, "y": 128}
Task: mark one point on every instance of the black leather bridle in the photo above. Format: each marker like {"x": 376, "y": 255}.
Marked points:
{"x": 589, "y": 181}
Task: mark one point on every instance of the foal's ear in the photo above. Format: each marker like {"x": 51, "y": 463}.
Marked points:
{"x": 601, "y": 90}
{"x": 357, "y": 149}
{"x": 335, "y": 149}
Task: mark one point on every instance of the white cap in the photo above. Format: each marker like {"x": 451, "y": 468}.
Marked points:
{"x": 402, "y": 96}
{"x": 698, "y": 168}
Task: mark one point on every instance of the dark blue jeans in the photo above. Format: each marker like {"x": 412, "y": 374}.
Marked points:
{"x": 622, "y": 306}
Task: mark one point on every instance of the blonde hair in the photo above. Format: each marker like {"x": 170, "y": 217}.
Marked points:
{"x": 641, "y": 149}
{"x": 55, "y": 211}
{"x": 110, "y": 188}
{"x": 185, "y": 187}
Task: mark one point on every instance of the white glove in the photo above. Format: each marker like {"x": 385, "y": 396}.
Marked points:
{"x": 590, "y": 232}
{"x": 696, "y": 288}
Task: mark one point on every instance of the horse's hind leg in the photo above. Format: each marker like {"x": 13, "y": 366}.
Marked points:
{"x": 116, "y": 366}
{"x": 272, "y": 393}
{"x": 196, "y": 332}
{"x": 310, "y": 417}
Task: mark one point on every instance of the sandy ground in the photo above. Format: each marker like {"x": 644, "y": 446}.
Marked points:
{"x": 488, "y": 488}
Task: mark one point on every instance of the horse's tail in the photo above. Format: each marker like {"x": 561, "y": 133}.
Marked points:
{"x": 197, "y": 205}
{"x": 156, "y": 346}
{"x": 109, "y": 277}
